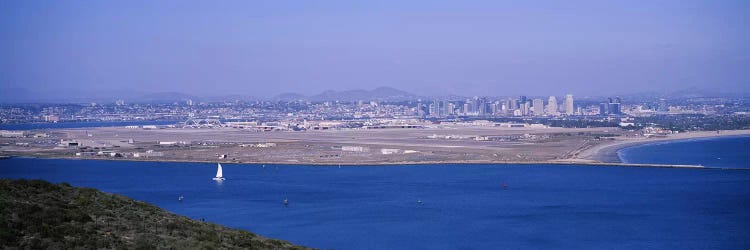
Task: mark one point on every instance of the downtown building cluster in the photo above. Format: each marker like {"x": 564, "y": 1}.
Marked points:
{"x": 484, "y": 107}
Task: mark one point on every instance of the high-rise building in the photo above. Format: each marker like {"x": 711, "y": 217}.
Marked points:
{"x": 614, "y": 109}
{"x": 494, "y": 108}
{"x": 614, "y": 106}
{"x": 538, "y": 106}
{"x": 603, "y": 109}
{"x": 476, "y": 105}
{"x": 552, "y": 106}
{"x": 569, "y": 104}
{"x": 527, "y": 107}
{"x": 449, "y": 108}
{"x": 611, "y": 107}
{"x": 436, "y": 111}
{"x": 663, "y": 107}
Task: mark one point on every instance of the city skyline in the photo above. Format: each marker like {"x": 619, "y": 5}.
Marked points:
{"x": 424, "y": 124}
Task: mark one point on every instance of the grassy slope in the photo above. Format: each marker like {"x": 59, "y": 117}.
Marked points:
{"x": 40, "y": 215}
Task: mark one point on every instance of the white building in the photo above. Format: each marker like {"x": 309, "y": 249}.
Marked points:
{"x": 354, "y": 148}
{"x": 390, "y": 151}
{"x": 538, "y": 107}
{"x": 552, "y": 106}
{"x": 11, "y": 133}
{"x": 569, "y": 104}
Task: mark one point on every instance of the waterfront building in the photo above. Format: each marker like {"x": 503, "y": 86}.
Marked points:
{"x": 51, "y": 118}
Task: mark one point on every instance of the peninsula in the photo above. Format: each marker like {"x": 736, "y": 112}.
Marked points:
{"x": 444, "y": 143}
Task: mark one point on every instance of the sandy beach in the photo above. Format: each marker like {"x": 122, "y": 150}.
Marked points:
{"x": 607, "y": 152}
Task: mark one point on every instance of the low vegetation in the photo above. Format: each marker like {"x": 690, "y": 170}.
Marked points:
{"x": 36, "y": 214}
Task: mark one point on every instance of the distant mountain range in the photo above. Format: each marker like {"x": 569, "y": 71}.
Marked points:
{"x": 22, "y": 95}
{"x": 379, "y": 94}
{"x": 170, "y": 97}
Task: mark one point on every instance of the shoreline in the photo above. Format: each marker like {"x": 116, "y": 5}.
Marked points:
{"x": 387, "y": 164}
{"x": 608, "y": 152}
{"x": 604, "y": 153}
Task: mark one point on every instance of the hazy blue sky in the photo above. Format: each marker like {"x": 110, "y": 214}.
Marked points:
{"x": 264, "y": 48}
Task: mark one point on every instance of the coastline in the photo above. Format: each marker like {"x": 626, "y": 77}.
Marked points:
{"x": 602, "y": 154}
{"x": 572, "y": 162}
{"x": 608, "y": 152}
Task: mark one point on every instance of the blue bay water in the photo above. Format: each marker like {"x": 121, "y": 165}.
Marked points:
{"x": 464, "y": 206}
{"x": 723, "y": 152}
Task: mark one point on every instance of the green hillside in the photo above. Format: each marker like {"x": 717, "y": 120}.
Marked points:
{"x": 37, "y": 214}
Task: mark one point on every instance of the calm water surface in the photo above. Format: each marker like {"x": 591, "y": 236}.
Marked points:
{"x": 464, "y": 206}
{"x": 724, "y": 152}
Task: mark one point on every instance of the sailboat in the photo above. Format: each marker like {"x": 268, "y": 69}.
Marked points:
{"x": 219, "y": 175}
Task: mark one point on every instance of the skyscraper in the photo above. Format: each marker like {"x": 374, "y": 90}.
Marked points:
{"x": 614, "y": 107}
{"x": 435, "y": 110}
{"x": 447, "y": 108}
{"x": 525, "y": 108}
{"x": 569, "y": 104}
{"x": 538, "y": 106}
{"x": 552, "y": 106}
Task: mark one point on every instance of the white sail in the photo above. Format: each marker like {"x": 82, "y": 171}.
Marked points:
{"x": 219, "y": 174}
